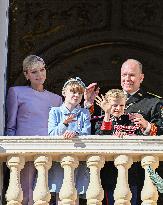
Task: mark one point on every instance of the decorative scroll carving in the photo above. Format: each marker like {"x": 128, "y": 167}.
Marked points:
{"x": 78, "y": 38}
{"x": 143, "y": 15}
{"x": 37, "y": 25}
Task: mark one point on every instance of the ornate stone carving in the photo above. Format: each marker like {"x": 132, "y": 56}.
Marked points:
{"x": 145, "y": 15}
{"x": 78, "y": 37}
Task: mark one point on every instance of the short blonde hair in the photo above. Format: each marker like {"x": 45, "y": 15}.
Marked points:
{"x": 30, "y": 61}
{"x": 76, "y": 85}
{"x": 115, "y": 93}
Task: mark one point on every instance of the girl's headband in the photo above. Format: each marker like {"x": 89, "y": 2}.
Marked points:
{"x": 77, "y": 80}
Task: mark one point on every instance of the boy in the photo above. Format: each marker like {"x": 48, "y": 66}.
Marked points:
{"x": 115, "y": 121}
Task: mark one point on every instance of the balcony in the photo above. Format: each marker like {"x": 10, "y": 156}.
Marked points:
{"x": 95, "y": 150}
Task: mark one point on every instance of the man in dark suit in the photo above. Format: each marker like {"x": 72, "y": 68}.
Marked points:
{"x": 149, "y": 114}
{"x": 148, "y": 106}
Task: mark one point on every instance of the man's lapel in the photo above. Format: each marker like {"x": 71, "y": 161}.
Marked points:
{"x": 134, "y": 98}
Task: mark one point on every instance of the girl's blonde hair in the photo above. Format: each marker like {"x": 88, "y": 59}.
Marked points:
{"x": 76, "y": 85}
{"x": 115, "y": 93}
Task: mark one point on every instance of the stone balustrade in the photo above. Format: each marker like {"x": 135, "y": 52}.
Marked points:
{"x": 95, "y": 150}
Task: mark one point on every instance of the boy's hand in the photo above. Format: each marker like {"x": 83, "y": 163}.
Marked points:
{"x": 120, "y": 134}
{"x": 69, "y": 134}
{"x": 69, "y": 119}
{"x": 101, "y": 101}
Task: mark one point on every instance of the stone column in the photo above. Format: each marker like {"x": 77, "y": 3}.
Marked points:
{"x": 1, "y": 181}
{"x": 95, "y": 193}
{"x": 41, "y": 194}
{"x": 68, "y": 193}
{"x": 14, "y": 194}
{"x": 4, "y": 6}
{"x": 122, "y": 193}
{"x": 149, "y": 194}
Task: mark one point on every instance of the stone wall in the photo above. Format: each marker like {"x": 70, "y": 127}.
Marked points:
{"x": 89, "y": 39}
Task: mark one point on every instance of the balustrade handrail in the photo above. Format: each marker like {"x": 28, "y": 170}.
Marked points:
{"x": 90, "y": 144}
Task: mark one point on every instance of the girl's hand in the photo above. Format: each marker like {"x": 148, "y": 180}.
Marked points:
{"x": 69, "y": 119}
{"x": 90, "y": 93}
{"x": 101, "y": 101}
{"x": 69, "y": 134}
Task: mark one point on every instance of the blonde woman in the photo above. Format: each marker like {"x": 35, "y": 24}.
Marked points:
{"x": 27, "y": 113}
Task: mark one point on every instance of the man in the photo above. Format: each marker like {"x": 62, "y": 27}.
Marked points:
{"x": 150, "y": 114}
{"x": 149, "y": 109}
{"x": 149, "y": 106}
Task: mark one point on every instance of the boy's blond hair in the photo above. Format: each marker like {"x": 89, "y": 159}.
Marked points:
{"x": 115, "y": 93}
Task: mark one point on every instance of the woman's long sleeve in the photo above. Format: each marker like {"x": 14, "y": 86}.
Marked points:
{"x": 12, "y": 109}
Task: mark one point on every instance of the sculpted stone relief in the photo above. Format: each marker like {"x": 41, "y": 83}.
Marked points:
{"x": 86, "y": 38}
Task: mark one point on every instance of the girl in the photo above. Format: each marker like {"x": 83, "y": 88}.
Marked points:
{"x": 70, "y": 120}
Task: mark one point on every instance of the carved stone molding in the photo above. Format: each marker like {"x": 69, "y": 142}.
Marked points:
{"x": 81, "y": 37}
{"x": 145, "y": 16}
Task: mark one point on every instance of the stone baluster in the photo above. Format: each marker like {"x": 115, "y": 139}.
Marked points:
{"x": 149, "y": 194}
{"x": 41, "y": 194}
{"x": 68, "y": 193}
{"x": 95, "y": 193}
{"x": 122, "y": 193}
{"x": 14, "y": 194}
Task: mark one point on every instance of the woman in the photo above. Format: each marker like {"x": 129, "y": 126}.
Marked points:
{"x": 27, "y": 113}
{"x": 28, "y": 106}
